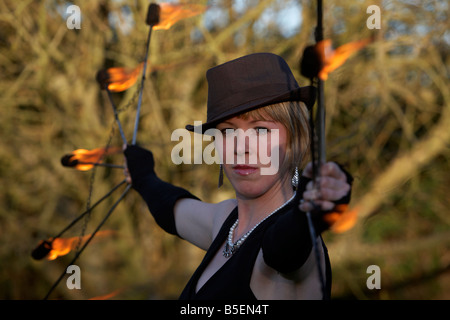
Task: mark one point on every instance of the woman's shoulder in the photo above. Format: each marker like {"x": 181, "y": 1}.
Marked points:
{"x": 223, "y": 210}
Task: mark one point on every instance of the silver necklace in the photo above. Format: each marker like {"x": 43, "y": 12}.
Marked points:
{"x": 230, "y": 247}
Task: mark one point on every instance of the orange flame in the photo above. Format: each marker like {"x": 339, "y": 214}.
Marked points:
{"x": 341, "y": 219}
{"x": 333, "y": 59}
{"x": 172, "y": 13}
{"x": 108, "y": 296}
{"x": 62, "y": 246}
{"x": 83, "y": 160}
{"x": 120, "y": 79}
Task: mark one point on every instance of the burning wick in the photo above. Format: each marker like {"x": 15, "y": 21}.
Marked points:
{"x": 153, "y": 14}
{"x": 45, "y": 246}
{"x": 67, "y": 161}
{"x": 89, "y": 238}
{"x": 321, "y": 59}
{"x": 55, "y": 247}
{"x": 42, "y": 250}
{"x": 83, "y": 160}
{"x": 162, "y": 17}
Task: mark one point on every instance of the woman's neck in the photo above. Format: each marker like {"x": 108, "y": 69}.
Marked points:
{"x": 253, "y": 210}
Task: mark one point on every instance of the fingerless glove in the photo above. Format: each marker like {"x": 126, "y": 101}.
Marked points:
{"x": 287, "y": 243}
{"x": 159, "y": 195}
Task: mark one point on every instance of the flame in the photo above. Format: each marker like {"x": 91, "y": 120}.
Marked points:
{"x": 333, "y": 59}
{"x": 61, "y": 246}
{"x": 108, "y": 296}
{"x": 172, "y": 13}
{"x": 120, "y": 79}
{"x": 341, "y": 219}
{"x": 83, "y": 160}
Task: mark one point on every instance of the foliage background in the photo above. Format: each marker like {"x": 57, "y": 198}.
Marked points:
{"x": 388, "y": 120}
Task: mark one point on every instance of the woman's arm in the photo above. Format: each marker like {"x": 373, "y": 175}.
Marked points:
{"x": 287, "y": 243}
{"x": 199, "y": 222}
{"x": 175, "y": 209}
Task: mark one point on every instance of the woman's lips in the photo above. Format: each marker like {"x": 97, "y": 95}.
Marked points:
{"x": 244, "y": 170}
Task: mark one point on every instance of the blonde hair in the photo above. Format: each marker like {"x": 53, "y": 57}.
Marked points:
{"x": 293, "y": 115}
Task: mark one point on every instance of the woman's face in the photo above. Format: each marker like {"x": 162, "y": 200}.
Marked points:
{"x": 251, "y": 151}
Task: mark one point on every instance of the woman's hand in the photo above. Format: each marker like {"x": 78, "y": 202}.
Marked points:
{"x": 127, "y": 176}
{"x": 139, "y": 164}
{"x": 332, "y": 186}
{"x": 126, "y": 172}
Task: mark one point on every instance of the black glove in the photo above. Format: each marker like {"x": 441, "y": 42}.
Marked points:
{"x": 140, "y": 164}
{"x": 159, "y": 195}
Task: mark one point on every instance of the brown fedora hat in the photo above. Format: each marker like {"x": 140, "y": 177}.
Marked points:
{"x": 250, "y": 82}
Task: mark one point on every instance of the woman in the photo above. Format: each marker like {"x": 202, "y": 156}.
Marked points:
{"x": 258, "y": 244}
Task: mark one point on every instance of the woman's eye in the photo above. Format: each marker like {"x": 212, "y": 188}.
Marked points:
{"x": 227, "y": 131}
{"x": 261, "y": 130}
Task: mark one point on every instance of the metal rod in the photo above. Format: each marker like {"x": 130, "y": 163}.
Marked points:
{"x": 319, "y": 28}
{"x": 320, "y": 113}
{"x": 318, "y": 146}
{"x": 89, "y": 240}
{"x": 313, "y": 143}
{"x": 320, "y": 118}
{"x": 138, "y": 111}
{"x": 116, "y": 116}
{"x": 313, "y": 235}
{"x": 315, "y": 154}
{"x": 89, "y": 210}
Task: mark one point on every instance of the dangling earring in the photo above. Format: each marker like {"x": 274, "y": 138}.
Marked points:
{"x": 220, "y": 175}
{"x": 295, "y": 178}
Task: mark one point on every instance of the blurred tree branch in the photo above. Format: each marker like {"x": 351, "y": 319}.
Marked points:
{"x": 407, "y": 165}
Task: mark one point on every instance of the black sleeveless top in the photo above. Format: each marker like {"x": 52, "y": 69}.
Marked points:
{"x": 232, "y": 280}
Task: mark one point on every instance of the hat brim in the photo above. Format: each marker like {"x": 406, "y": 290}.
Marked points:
{"x": 305, "y": 94}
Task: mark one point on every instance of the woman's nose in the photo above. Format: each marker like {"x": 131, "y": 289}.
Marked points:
{"x": 241, "y": 143}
